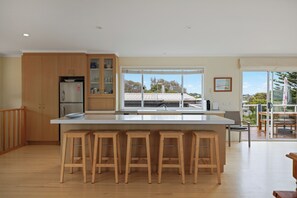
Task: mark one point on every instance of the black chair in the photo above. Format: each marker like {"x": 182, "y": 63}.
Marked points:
{"x": 235, "y": 115}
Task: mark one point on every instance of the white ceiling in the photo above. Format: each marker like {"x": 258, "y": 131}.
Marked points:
{"x": 151, "y": 27}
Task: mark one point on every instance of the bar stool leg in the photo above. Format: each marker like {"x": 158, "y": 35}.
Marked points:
{"x": 95, "y": 159}
{"x": 128, "y": 156}
{"x": 179, "y": 155}
{"x": 196, "y": 159}
{"x": 148, "y": 155}
{"x": 71, "y": 153}
{"x": 84, "y": 158}
{"x": 211, "y": 146}
{"x": 115, "y": 159}
{"x": 63, "y": 158}
{"x": 161, "y": 149}
{"x": 192, "y": 154}
{"x": 100, "y": 154}
{"x": 218, "y": 159}
{"x": 119, "y": 154}
{"x": 181, "y": 158}
{"x": 90, "y": 149}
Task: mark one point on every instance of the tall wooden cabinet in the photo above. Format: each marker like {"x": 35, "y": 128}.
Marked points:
{"x": 40, "y": 73}
{"x": 101, "y": 82}
{"x": 40, "y": 96}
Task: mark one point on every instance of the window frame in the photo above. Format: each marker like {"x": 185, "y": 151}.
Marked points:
{"x": 141, "y": 68}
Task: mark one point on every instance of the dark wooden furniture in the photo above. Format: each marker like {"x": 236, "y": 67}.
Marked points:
{"x": 285, "y": 194}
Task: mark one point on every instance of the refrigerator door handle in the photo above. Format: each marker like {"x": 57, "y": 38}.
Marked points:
{"x": 63, "y": 95}
{"x": 62, "y": 113}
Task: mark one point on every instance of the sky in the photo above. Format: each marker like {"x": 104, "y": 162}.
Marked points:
{"x": 254, "y": 82}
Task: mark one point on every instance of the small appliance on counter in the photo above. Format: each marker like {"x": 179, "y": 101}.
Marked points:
{"x": 215, "y": 106}
{"x": 71, "y": 95}
{"x": 208, "y": 105}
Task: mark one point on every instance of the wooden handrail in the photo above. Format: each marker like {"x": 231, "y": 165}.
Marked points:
{"x": 2, "y": 110}
{"x": 12, "y": 129}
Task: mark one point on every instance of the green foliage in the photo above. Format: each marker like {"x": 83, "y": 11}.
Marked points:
{"x": 251, "y": 117}
{"x": 292, "y": 83}
{"x": 132, "y": 87}
{"x": 156, "y": 87}
{"x": 258, "y": 98}
{"x": 169, "y": 86}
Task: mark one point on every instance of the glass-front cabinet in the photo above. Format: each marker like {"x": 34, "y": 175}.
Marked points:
{"x": 101, "y": 72}
{"x": 94, "y": 72}
{"x": 101, "y": 81}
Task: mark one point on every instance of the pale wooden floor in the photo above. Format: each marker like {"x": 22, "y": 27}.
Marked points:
{"x": 33, "y": 171}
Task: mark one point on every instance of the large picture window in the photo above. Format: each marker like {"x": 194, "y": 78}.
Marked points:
{"x": 161, "y": 87}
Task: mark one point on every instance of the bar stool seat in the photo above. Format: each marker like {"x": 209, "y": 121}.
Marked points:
{"x": 212, "y": 136}
{"x": 72, "y": 135}
{"x": 99, "y": 136}
{"x": 178, "y": 135}
{"x": 136, "y": 135}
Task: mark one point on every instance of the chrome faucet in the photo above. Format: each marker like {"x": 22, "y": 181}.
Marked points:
{"x": 164, "y": 107}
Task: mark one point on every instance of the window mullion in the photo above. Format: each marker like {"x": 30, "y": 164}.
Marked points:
{"x": 182, "y": 91}
{"x": 142, "y": 90}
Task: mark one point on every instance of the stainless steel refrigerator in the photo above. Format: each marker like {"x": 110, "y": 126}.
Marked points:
{"x": 71, "y": 98}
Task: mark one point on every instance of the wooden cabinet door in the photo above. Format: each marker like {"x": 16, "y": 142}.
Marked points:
{"x": 49, "y": 96}
{"x": 64, "y": 65}
{"x": 79, "y": 63}
{"x": 72, "y": 64}
{"x": 31, "y": 69}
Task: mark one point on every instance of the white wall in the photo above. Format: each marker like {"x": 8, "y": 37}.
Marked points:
{"x": 11, "y": 75}
{"x": 214, "y": 67}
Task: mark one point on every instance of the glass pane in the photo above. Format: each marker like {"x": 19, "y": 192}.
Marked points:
{"x": 254, "y": 89}
{"x": 94, "y": 76}
{"x": 162, "y": 90}
{"x": 108, "y": 76}
{"x": 192, "y": 90}
{"x": 132, "y": 91}
{"x": 284, "y": 105}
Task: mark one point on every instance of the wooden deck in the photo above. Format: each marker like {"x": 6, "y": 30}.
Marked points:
{"x": 260, "y": 135}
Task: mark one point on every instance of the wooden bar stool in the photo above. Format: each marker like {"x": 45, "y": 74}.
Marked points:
{"x": 136, "y": 135}
{"x": 72, "y": 135}
{"x": 214, "y": 145}
{"x": 178, "y": 135}
{"x": 99, "y": 136}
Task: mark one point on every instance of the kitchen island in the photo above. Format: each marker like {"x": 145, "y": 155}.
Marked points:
{"x": 154, "y": 123}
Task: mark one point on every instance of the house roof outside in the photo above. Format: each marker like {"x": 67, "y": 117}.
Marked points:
{"x": 158, "y": 97}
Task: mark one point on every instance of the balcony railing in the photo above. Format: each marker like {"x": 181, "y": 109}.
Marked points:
{"x": 250, "y": 111}
{"x": 12, "y": 129}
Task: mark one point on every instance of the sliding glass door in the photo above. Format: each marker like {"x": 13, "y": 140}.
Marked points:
{"x": 269, "y": 104}
{"x": 281, "y": 121}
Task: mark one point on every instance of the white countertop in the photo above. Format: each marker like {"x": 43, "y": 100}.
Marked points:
{"x": 144, "y": 119}
{"x": 179, "y": 111}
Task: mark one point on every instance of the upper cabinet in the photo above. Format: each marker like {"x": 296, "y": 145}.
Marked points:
{"x": 72, "y": 64}
{"x": 101, "y": 82}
